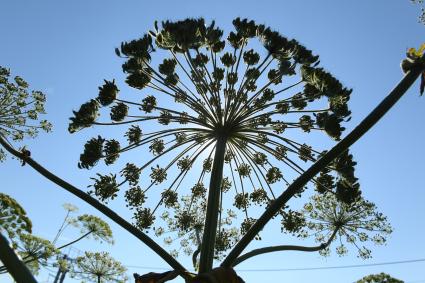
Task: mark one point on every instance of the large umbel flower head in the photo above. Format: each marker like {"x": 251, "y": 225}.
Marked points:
{"x": 203, "y": 94}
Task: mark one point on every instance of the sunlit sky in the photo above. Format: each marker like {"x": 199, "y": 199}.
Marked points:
{"x": 66, "y": 49}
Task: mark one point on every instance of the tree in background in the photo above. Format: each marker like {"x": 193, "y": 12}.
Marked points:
{"x": 232, "y": 98}
{"x": 379, "y": 278}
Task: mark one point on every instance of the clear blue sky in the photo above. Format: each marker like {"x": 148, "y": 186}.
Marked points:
{"x": 66, "y": 48}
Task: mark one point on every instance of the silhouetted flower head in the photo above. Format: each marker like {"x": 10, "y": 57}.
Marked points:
{"x": 196, "y": 86}
{"x": 107, "y": 93}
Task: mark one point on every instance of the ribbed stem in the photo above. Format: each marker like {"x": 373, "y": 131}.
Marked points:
{"x": 211, "y": 218}
{"x": 342, "y": 146}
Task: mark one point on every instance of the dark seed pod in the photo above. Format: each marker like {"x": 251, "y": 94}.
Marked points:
{"x": 148, "y": 104}
{"x": 167, "y": 67}
{"x": 107, "y": 93}
{"x": 112, "y": 151}
{"x": 144, "y": 218}
{"x": 105, "y": 187}
{"x": 138, "y": 80}
{"x": 93, "y": 150}
{"x": 119, "y": 112}
{"x": 85, "y": 116}
{"x": 346, "y": 192}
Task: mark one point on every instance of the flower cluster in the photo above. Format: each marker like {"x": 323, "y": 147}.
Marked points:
{"x": 37, "y": 249}
{"x": 352, "y": 224}
{"x": 188, "y": 224}
{"x": 100, "y": 267}
{"x": 95, "y": 227}
{"x": 20, "y": 109}
{"x": 13, "y": 218}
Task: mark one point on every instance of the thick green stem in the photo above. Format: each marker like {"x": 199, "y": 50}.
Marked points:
{"x": 342, "y": 146}
{"x": 211, "y": 219}
{"x": 99, "y": 206}
{"x": 16, "y": 268}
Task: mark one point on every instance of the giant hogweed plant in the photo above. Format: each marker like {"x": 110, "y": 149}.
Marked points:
{"x": 235, "y": 115}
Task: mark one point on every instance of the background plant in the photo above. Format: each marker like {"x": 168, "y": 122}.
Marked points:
{"x": 99, "y": 267}
{"x": 20, "y": 109}
{"x": 13, "y": 218}
{"x": 33, "y": 250}
{"x": 37, "y": 252}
